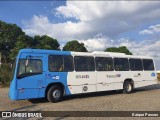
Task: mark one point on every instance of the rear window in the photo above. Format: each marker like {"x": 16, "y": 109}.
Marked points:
{"x": 148, "y": 64}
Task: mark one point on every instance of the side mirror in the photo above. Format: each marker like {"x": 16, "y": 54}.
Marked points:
{"x": 26, "y": 63}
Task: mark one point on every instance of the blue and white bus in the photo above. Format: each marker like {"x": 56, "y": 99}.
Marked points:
{"x": 53, "y": 74}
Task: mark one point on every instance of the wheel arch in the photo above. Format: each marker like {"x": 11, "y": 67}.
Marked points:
{"x": 130, "y": 80}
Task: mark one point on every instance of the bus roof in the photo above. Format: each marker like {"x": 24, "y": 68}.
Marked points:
{"x": 95, "y": 53}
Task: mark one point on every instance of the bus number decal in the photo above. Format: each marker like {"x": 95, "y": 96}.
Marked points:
{"x": 82, "y": 76}
{"x": 113, "y": 76}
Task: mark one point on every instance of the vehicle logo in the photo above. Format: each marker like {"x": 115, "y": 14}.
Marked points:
{"x": 113, "y": 76}
{"x": 55, "y": 77}
{"x": 85, "y": 88}
{"x": 82, "y": 76}
{"x": 153, "y": 74}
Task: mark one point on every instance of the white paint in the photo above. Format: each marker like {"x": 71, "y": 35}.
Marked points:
{"x": 108, "y": 80}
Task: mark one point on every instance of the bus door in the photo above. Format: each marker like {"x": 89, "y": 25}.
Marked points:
{"x": 104, "y": 67}
{"x": 30, "y": 78}
{"x": 83, "y": 79}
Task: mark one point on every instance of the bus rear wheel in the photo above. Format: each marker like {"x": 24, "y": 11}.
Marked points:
{"x": 54, "y": 94}
{"x": 128, "y": 87}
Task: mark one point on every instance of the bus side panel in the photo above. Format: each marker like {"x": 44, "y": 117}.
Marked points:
{"x": 147, "y": 78}
{"x": 75, "y": 89}
{"x": 30, "y": 86}
{"x": 104, "y": 83}
{"x": 27, "y": 93}
{"x": 41, "y": 92}
{"x": 82, "y": 82}
{"x": 58, "y": 77}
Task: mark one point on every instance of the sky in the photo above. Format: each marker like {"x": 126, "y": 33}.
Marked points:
{"x": 98, "y": 24}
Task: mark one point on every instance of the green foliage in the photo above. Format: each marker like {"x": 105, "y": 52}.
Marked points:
{"x": 9, "y": 34}
{"x": 122, "y": 49}
{"x": 46, "y": 42}
{"x": 74, "y": 46}
{"x": 23, "y": 41}
{"x": 5, "y": 74}
{"x": 12, "y": 39}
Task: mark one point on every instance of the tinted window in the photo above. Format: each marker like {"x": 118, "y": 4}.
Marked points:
{"x": 148, "y": 64}
{"x": 121, "y": 64}
{"x": 84, "y": 63}
{"x": 135, "y": 64}
{"x": 60, "y": 63}
{"x": 29, "y": 67}
{"x": 104, "y": 64}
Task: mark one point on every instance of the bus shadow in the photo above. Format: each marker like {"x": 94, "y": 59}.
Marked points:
{"x": 96, "y": 94}
{"x": 148, "y": 88}
{"x": 79, "y": 96}
{"x": 38, "y": 100}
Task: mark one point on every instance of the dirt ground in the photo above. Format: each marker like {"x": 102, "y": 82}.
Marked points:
{"x": 143, "y": 99}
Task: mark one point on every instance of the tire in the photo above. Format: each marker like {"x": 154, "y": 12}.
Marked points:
{"x": 54, "y": 94}
{"x": 128, "y": 87}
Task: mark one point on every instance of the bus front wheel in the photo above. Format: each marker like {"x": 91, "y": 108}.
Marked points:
{"x": 54, "y": 94}
{"x": 128, "y": 87}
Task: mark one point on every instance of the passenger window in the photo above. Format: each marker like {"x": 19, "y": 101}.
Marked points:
{"x": 135, "y": 64}
{"x": 148, "y": 64}
{"x": 68, "y": 63}
{"x": 121, "y": 64}
{"x": 84, "y": 63}
{"x": 28, "y": 67}
{"x": 60, "y": 63}
{"x": 104, "y": 64}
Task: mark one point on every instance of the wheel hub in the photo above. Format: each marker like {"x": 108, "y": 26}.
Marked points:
{"x": 129, "y": 87}
{"x": 56, "y": 94}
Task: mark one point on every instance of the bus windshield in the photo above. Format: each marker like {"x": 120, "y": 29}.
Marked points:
{"x": 28, "y": 67}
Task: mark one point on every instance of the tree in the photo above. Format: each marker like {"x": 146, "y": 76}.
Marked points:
{"x": 9, "y": 34}
{"x": 121, "y": 49}
{"x": 12, "y": 39}
{"x": 23, "y": 41}
{"x": 46, "y": 42}
{"x": 74, "y": 45}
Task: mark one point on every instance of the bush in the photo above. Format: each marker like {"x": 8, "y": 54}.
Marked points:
{"x": 5, "y": 74}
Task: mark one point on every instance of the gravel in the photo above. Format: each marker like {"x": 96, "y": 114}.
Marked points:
{"x": 143, "y": 99}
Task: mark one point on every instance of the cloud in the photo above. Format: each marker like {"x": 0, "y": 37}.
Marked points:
{"x": 151, "y": 30}
{"x": 97, "y": 43}
{"x": 110, "y": 18}
{"x": 63, "y": 31}
{"x": 99, "y": 23}
{"x": 140, "y": 48}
